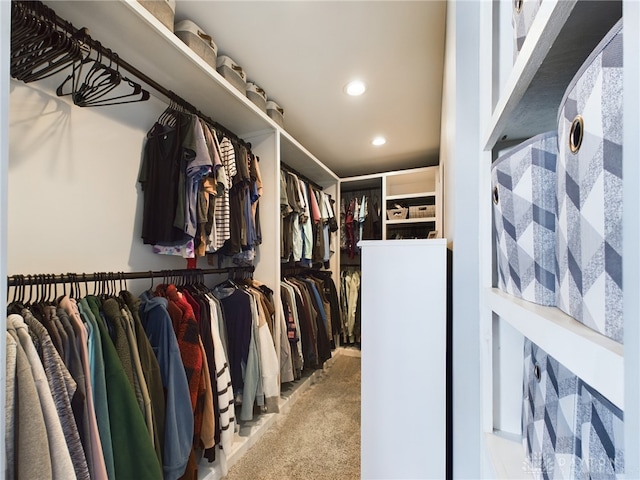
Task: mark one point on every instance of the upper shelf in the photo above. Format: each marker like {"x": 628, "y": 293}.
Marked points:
{"x": 296, "y": 156}
{"x": 404, "y": 196}
{"x": 561, "y": 37}
{"x": 126, "y": 27}
{"x": 587, "y": 353}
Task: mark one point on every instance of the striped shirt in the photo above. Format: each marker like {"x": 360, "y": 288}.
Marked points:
{"x": 223, "y": 210}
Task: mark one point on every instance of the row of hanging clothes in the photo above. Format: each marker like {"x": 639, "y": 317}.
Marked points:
{"x": 350, "y": 298}
{"x": 201, "y": 189}
{"x": 360, "y": 219}
{"x": 307, "y": 220}
{"x": 313, "y": 315}
{"x": 107, "y": 385}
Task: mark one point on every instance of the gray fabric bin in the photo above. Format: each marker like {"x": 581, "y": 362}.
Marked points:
{"x": 163, "y": 10}
{"x": 275, "y": 112}
{"x": 524, "y": 208}
{"x": 569, "y": 430}
{"x": 197, "y": 40}
{"x": 232, "y": 72}
{"x": 589, "y": 191}
{"x": 524, "y": 12}
{"x": 257, "y": 95}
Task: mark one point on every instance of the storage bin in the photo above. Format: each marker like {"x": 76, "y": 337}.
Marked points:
{"x": 399, "y": 213}
{"x": 569, "y": 430}
{"x": 422, "y": 211}
{"x": 549, "y": 413}
{"x": 523, "y": 14}
{"x": 198, "y": 41}
{"x": 600, "y": 435}
{"x": 232, "y": 72}
{"x": 524, "y": 206}
{"x": 257, "y": 95}
{"x": 276, "y": 112}
{"x": 589, "y": 220}
{"x": 163, "y": 10}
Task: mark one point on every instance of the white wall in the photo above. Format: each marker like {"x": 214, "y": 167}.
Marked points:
{"x": 5, "y": 29}
{"x": 461, "y": 167}
{"x": 73, "y": 197}
{"x": 448, "y": 124}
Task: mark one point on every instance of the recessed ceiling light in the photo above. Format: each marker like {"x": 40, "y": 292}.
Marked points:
{"x": 378, "y": 141}
{"x": 355, "y": 88}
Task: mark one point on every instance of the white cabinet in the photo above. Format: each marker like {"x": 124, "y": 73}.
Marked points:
{"x": 523, "y": 105}
{"x": 403, "y": 359}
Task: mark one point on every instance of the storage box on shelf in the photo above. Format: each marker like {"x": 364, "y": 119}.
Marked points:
{"x": 197, "y": 40}
{"x": 524, "y": 11}
{"x": 569, "y": 429}
{"x": 275, "y": 112}
{"x": 560, "y": 39}
{"x": 257, "y": 95}
{"x": 232, "y": 72}
{"x": 398, "y": 213}
{"x": 589, "y": 191}
{"x": 163, "y": 10}
{"x": 422, "y": 211}
{"x": 523, "y": 183}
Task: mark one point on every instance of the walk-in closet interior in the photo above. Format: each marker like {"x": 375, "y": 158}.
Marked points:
{"x": 198, "y": 220}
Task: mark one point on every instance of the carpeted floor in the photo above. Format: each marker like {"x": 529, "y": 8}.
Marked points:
{"x": 320, "y": 436}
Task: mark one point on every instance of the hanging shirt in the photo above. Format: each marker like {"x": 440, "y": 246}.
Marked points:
{"x": 159, "y": 177}
{"x": 222, "y": 207}
{"x": 307, "y": 231}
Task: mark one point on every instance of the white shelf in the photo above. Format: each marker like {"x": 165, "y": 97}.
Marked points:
{"x": 127, "y": 28}
{"x": 507, "y": 456}
{"x": 596, "y": 359}
{"x": 411, "y": 220}
{"x": 298, "y": 157}
{"x": 561, "y": 37}
{"x": 405, "y": 196}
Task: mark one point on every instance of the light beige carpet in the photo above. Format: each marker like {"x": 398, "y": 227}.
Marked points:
{"x": 320, "y": 436}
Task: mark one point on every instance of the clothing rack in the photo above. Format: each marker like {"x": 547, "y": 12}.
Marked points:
{"x": 287, "y": 168}
{"x": 299, "y": 269}
{"x": 82, "y": 33}
{"x": 46, "y": 279}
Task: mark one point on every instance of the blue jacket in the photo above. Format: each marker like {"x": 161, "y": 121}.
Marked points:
{"x": 178, "y": 434}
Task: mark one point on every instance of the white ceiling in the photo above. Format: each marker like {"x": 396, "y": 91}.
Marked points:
{"x": 302, "y": 53}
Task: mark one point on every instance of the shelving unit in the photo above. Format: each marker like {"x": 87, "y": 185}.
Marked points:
{"x": 413, "y": 187}
{"x": 525, "y": 103}
{"x": 127, "y": 28}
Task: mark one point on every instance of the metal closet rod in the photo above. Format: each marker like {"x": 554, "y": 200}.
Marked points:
{"x": 286, "y": 167}
{"x": 113, "y": 56}
{"x": 37, "y": 279}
